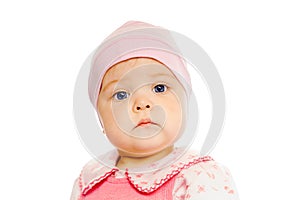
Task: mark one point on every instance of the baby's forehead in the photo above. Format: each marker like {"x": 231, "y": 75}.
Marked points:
{"x": 121, "y": 69}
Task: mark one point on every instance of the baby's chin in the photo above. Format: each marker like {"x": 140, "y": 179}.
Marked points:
{"x": 148, "y": 146}
{"x": 141, "y": 153}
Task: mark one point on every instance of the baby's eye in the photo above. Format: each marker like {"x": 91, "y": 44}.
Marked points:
{"x": 159, "y": 88}
{"x": 120, "y": 95}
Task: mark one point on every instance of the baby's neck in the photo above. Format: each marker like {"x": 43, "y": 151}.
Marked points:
{"x": 134, "y": 162}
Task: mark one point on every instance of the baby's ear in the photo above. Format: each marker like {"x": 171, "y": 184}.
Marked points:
{"x": 101, "y": 123}
{"x": 102, "y": 127}
{"x": 103, "y": 130}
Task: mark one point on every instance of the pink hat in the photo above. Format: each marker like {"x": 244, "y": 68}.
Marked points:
{"x": 136, "y": 39}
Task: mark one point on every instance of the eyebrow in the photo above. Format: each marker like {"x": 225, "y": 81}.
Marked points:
{"x": 161, "y": 74}
{"x": 108, "y": 85}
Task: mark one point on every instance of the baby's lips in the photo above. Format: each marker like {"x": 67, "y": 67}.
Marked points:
{"x": 145, "y": 122}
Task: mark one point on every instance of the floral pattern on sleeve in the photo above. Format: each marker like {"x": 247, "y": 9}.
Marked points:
{"x": 205, "y": 181}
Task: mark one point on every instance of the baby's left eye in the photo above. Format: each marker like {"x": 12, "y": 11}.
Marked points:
{"x": 121, "y": 95}
{"x": 159, "y": 88}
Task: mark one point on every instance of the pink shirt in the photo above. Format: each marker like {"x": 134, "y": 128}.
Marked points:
{"x": 189, "y": 177}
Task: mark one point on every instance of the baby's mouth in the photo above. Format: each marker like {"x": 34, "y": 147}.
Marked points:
{"x": 145, "y": 122}
{"x": 145, "y": 128}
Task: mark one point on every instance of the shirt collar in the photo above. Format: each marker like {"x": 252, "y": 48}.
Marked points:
{"x": 155, "y": 174}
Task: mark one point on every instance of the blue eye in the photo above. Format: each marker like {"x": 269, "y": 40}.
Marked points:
{"x": 120, "y": 95}
{"x": 160, "y": 88}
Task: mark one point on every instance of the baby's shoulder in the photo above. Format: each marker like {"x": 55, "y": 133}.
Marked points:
{"x": 105, "y": 161}
{"x": 92, "y": 163}
{"x": 207, "y": 177}
{"x": 206, "y": 169}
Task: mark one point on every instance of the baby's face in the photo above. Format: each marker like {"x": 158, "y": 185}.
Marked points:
{"x": 141, "y": 106}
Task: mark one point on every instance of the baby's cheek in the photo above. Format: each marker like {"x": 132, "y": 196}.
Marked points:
{"x": 114, "y": 135}
{"x": 175, "y": 112}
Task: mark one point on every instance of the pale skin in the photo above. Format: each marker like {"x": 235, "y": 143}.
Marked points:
{"x": 136, "y": 102}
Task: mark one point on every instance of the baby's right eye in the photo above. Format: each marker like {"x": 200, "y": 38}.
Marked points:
{"x": 120, "y": 95}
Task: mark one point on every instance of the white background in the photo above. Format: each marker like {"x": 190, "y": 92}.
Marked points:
{"x": 254, "y": 44}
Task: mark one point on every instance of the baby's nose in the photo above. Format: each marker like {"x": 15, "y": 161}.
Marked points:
{"x": 141, "y": 106}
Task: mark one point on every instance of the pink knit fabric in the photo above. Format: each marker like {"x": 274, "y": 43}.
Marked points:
{"x": 121, "y": 189}
{"x": 133, "y": 40}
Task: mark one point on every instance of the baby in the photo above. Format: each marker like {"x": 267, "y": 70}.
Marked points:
{"x": 141, "y": 98}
